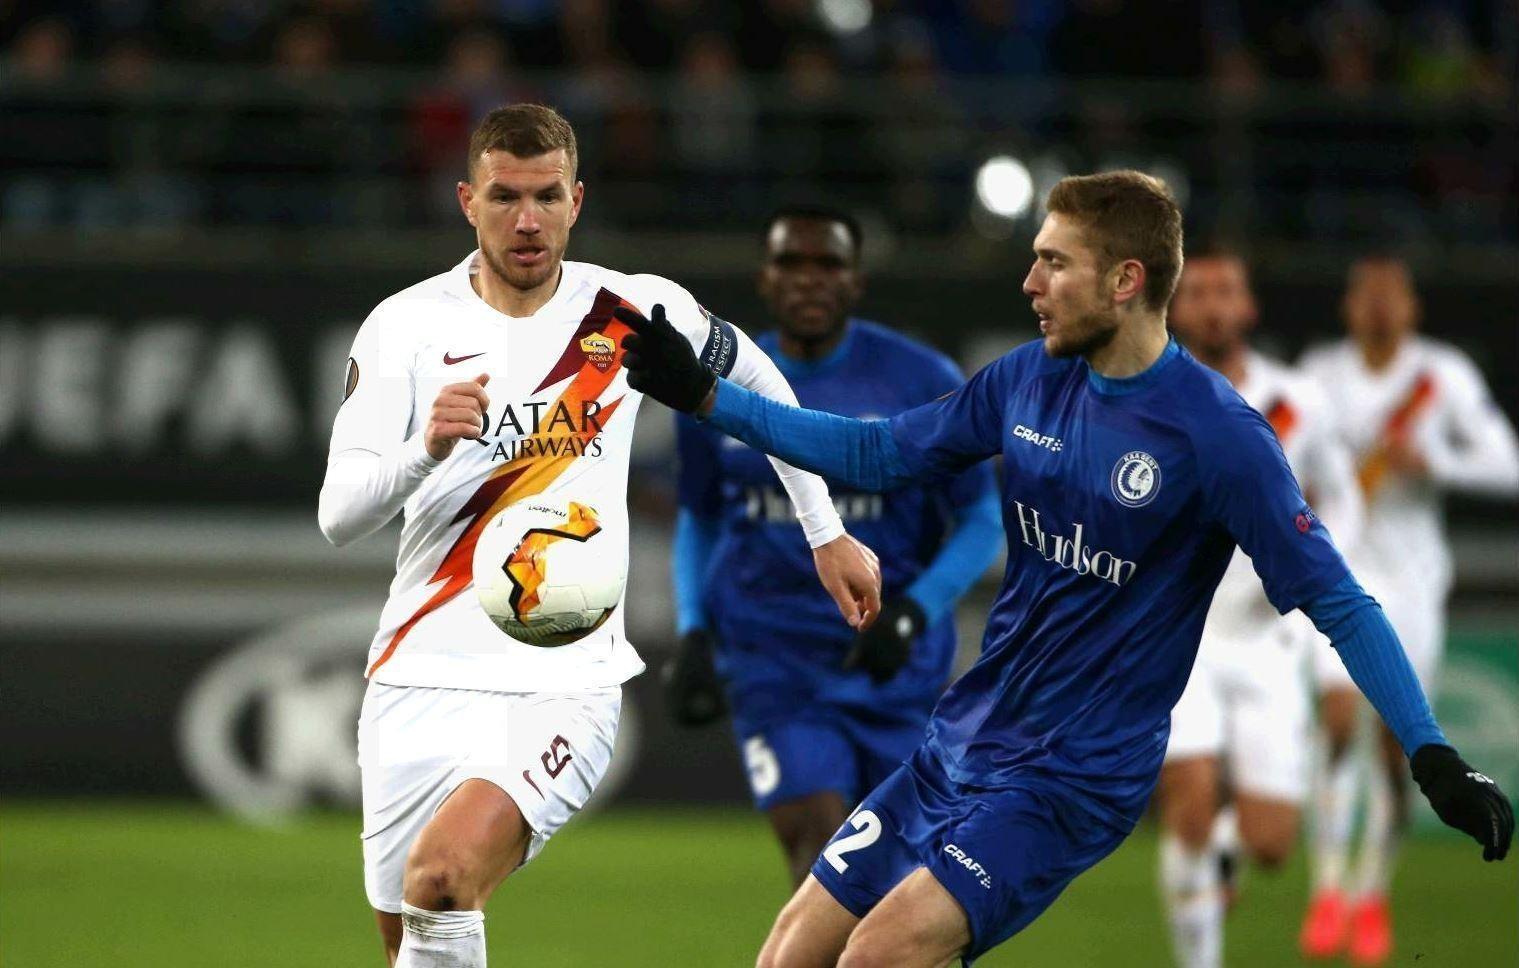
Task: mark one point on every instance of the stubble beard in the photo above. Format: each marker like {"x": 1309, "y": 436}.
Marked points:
{"x": 523, "y": 280}
{"x": 1088, "y": 333}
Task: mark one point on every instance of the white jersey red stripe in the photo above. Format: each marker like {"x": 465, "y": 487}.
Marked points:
{"x": 1298, "y": 412}
{"x": 1434, "y": 397}
{"x": 560, "y": 423}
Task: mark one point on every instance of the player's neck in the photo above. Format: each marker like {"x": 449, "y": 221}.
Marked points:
{"x": 1132, "y": 350}
{"x": 507, "y": 299}
{"x": 810, "y": 351}
{"x": 1379, "y": 354}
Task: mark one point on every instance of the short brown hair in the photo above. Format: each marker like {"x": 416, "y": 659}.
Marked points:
{"x": 1131, "y": 215}
{"x": 525, "y": 130}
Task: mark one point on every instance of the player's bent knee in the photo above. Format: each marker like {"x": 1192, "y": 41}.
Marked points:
{"x": 1271, "y": 853}
{"x": 438, "y": 883}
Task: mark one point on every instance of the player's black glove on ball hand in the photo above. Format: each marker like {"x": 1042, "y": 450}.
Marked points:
{"x": 661, "y": 363}
{"x": 882, "y": 649}
{"x": 692, "y": 688}
{"x": 1464, "y": 798}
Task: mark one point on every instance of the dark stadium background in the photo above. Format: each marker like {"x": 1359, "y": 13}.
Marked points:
{"x": 200, "y": 200}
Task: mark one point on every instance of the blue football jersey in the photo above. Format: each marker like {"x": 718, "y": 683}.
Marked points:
{"x": 762, "y": 596}
{"x": 1123, "y": 500}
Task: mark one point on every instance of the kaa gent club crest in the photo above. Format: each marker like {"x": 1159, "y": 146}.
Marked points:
{"x": 1136, "y": 479}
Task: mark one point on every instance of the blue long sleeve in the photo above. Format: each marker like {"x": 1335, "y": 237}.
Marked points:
{"x": 965, "y": 554}
{"x": 695, "y": 538}
{"x": 1356, "y": 626}
{"x": 860, "y": 453}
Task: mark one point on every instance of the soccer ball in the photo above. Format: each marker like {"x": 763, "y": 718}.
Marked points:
{"x": 545, "y": 572}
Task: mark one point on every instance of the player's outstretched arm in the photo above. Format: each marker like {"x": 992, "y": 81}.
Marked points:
{"x": 661, "y": 364}
{"x": 1463, "y": 798}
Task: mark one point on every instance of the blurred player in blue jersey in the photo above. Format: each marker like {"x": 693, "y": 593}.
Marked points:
{"x": 821, "y": 713}
{"x": 1130, "y": 474}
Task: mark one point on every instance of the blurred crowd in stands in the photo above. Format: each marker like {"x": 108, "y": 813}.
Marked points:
{"x": 1425, "y": 45}
{"x": 723, "y": 106}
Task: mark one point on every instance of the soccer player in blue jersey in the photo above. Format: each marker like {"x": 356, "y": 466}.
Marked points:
{"x": 821, "y": 713}
{"x": 1130, "y": 474}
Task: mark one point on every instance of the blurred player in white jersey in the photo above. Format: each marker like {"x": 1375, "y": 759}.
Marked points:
{"x": 1246, "y": 705}
{"x": 1419, "y": 421}
{"x": 474, "y": 748}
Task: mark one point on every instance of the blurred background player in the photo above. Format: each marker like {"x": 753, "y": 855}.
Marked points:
{"x": 820, "y": 713}
{"x": 1247, "y": 700}
{"x": 475, "y": 749}
{"x": 1419, "y": 421}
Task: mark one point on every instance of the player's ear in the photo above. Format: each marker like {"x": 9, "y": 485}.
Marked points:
{"x": 1130, "y": 281}
{"x": 466, "y": 193}
{"x": 577, "y": 197}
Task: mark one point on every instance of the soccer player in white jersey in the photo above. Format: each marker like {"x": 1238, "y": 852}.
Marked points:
{"x": 1419, "y": 421}
{"x": 1246, "y": 706}
{"x": 495, "y": 381}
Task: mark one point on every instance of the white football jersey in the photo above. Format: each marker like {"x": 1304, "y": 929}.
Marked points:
{"x": 559, "y": 424}
{"x": 1432, "y": 395}
{"x": 1297, "y": 411}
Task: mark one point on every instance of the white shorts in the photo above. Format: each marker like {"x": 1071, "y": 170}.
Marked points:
{"x": 417, "y": 744}
{"x": 1417, "y": 614}
{"x": 1247, "y": 702}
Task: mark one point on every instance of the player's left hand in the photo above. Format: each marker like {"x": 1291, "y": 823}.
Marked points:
{"x": 851, "y": 573}
{"x": 693, "y": 689}
{"x": 661, "y": 363}
{"x": 884, "y": 648}
{"x": 1464, "y": 798}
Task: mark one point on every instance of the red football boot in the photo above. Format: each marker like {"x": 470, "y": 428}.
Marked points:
{"x": 1325, "y": 925}
{"x": 1370, "y": 932}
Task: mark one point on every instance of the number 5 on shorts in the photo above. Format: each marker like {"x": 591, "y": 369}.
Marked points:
{"x": 764, "y": 768}
{"x": 867, "y": 828}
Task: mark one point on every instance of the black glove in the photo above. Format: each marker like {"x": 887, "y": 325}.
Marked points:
{"x": 1464, "y": 798}
{"x": 882, "y": 649}
{"x": 661, "y": 363}
{"x": 693, "y": 690}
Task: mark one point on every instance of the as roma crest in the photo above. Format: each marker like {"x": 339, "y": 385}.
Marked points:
{"x": 599, "y": 350}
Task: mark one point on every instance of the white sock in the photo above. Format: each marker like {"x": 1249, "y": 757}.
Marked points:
{"x": 1379, "y": 840}
{"x": 1189, "y": 883}
{"x": 1334, "y": 805}
{"x": 441, "y": 939}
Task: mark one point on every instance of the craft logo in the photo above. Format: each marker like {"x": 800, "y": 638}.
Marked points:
{"x": 971, "y": 864}
{"x": 599, "y": 350}
{"x": 1052, "y": 444}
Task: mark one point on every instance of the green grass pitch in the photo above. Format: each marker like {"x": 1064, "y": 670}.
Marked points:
{"x": 87, "y": 884}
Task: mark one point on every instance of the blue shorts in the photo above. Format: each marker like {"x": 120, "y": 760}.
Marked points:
{"x": 822, "y": 747}
{"x": 1004, "y": 854}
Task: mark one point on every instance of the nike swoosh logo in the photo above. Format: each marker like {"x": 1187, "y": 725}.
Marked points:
{"x": 528, "y": 776}
{"x": 451, "y": 360}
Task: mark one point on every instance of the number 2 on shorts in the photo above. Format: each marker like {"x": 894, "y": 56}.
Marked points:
{"x": 867, "y": 828}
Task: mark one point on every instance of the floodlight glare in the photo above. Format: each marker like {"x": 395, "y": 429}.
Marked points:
{"x": 845, "y": 16}
{"x": 1004, "y": 187}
